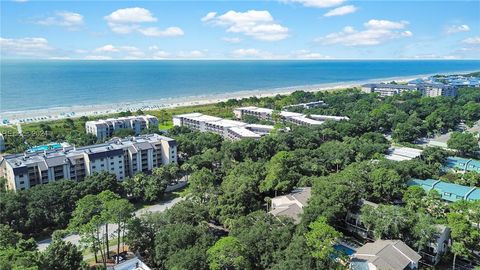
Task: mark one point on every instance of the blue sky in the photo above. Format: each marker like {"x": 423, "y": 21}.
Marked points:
{"x": 284, "y": 29}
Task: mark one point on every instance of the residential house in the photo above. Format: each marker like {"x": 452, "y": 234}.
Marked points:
{"x": 385, "y": 255}
{"x": 291, "y": 205}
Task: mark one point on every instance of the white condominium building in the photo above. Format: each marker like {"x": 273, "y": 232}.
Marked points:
{"x": 104, "y": 128}
{"x": 291, "y": 117}
{"x": 427, "y": 89}
{"x": 121, "y": 157}
{"x": 437, "y": 90}
{"x": 229, "y": 129}
{"x": 387, "y": 89}
{"x": 2, "y": 143}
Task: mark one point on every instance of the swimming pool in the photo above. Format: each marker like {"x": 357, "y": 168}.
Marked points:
{"x": 44, "y": 147}
{"x": 344, "y": 249}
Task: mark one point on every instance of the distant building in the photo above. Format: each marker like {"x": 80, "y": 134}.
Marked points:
{"x": 462, "y": 164}
{"x": 307, "y": 105}
{"x": 437, "y": 90}
{"x": 385, "y": 254}
{"x": 291, "y": 205}
{"x": 387, "y": 89}
{"x": 121, "y": 157}
{"x": 229, "y": 129}
{"x": 132, "y": 264}
{"x": 2, "y": 143}
{"x": 402, "y": 153}
{"x": 450, "y": 192}
{"x": 104, "y": 128}
{"x": 290, "y": 117}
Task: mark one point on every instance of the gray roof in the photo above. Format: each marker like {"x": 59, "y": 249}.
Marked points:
{"x": 387, "y": 254}
{"x": 302, "y": 194}
{"x": 292, "y": 211}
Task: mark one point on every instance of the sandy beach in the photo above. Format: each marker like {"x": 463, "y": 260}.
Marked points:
{"x": 56, "y": 113}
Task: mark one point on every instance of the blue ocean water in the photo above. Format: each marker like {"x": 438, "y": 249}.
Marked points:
{"x": 29, "y": 85}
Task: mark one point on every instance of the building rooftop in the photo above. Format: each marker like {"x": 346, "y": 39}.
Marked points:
{"x": 132, "y": 264}
{"x": 463, "y": 164}
{"x": 388, "y": 85}
{"x": 290, "y": 114}
{"x": 243, "y": 132}
{"x": 307, "y": 120}
{"x": 385, "y": 254}
{"x": 328, "y": 117}
{"x": 291, "y": 205}
{"x": 396, "y": 153}
{"x": 58, "y": 156}
{"x": 229, "y": 123}
{"x": 449, "y": 191}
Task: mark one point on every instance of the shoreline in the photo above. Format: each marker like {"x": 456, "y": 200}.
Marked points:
{"x": 76, "y": 111}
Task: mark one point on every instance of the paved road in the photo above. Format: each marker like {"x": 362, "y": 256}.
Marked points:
{"x": 75, "y": 238}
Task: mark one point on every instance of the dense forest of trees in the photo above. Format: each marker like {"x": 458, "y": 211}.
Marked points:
{"x": 224, "y": 224}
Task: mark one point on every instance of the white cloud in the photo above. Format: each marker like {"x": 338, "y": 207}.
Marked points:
{"x": 232, "y": 39}
{"x": 316, "y": 3}
{"x": 375, "y": 32}
{"x": 209, "y": 16}
{"x": 30, "y": 46}
{"x": 191, "y": 54}
{"x": 258, "y": 24}
{"x": 452, "y": 29}
{"x": 156, "y": 32}
{"x": 306, "y": 54}
{"x": 70, "y": 20}
{"x": 246, "y": 53}
{"x": 157, "y": 53}
{"x": 109, "y": 48}
{"x": 97, "y": 57}
{"x": 472, "y": 40}
{"x": 340, "y": 11}
{"x": 130, "y": 15}
{"x": 128, "y": 20}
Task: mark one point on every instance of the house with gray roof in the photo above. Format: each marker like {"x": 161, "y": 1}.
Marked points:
{"x": 291, "y": 205}
{"x": 385, "y": 255}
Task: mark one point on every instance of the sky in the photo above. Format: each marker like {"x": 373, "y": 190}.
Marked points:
{"x": 283, "y": 29}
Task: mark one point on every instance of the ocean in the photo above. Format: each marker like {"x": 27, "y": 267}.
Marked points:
{"x": 31, "y": 85}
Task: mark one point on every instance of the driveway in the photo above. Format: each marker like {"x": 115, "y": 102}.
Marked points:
{"x": 75, "y": 238}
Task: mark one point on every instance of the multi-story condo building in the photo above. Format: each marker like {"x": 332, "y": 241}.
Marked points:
{"x": 2, "y": 143}
{"x": 386, "y": 89}
{"x": 104, "y": 128}
{"x": 437, "y": 89}
{"x": 426, "y": 88}
{"x": 307, "y": 105}
{"x": 229, "y": 129}
{"x": 291, "y": 117}
{"x": 121, "y": 157}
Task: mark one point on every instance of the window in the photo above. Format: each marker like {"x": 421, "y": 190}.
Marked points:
{"x": 112, "y": 169}
{"x": 22, "y": 182}
{"x": 93, "y": 167}
{"x": 102, "y": 165}
{"x": 111, "y": 163}
{"x": 101, "y": 159}
{"x": 111, "y": 157}
{"x": 20, "y": 175}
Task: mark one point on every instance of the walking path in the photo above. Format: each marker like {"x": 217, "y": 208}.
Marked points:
{"x": 160, "y": 207}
